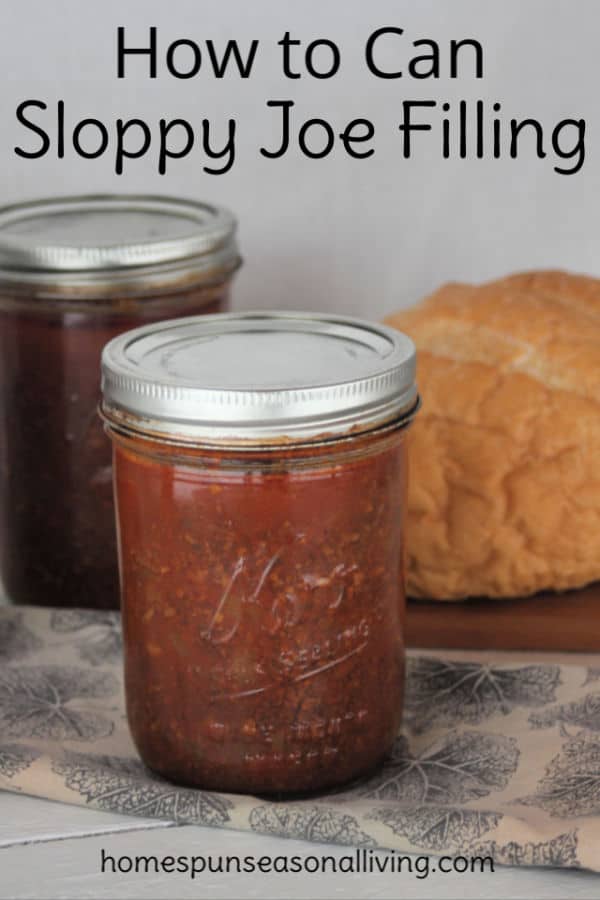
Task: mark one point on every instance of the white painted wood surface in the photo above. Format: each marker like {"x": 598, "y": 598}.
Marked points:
{"x": 50, "y": 850}
{"x": 26, "y": 820}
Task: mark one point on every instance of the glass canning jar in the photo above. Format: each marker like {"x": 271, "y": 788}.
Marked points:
{"x": 75, "y": 272}
{"x": 260, "y": 482}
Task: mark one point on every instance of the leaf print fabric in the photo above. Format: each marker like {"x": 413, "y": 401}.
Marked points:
{"x": 16, "y": 640}
{"x": 437, "y": 827}
{"x": 560, "y": 851}
{"x": 571, "y": 784}
{"x": 41, "y": 702}
{"x": 497, "y": 757}
{"x": 309, "y": 823}
{"x": 455, "y": 769}
{"x": 443, "y": 693}
{"x": 76, "y": 619}
{"x": 14, "y": 758}
{"x": 100, "y": 642}
{"x": 593, "y": 674}
{"x": 585, "y": 713}
{"x": 123, "y": 786}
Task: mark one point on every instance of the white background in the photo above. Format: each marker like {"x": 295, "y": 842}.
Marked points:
{"x": 357, "y": 236}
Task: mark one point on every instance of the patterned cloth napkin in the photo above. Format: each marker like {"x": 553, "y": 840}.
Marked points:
{"x": 497, "y": 759}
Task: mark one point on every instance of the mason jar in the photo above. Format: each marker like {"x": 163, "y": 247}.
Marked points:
{"x": 260, "y": 482}
{"x": 75, "y": 272}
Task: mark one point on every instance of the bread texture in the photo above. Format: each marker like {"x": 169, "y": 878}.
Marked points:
{"x": 504, "y": 496}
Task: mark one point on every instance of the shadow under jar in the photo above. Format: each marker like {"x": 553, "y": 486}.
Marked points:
{"x": 74, "y": 273}
{"x": 260, "y": 481}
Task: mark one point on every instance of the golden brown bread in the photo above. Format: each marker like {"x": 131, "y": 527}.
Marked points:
{"x": 504, "y": 493}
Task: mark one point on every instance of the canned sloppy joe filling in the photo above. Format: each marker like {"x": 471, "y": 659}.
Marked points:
{"x": 74, "y": 273}
{"x": 260, "y": 478}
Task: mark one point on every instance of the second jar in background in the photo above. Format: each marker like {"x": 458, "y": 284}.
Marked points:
{"x": 75, "y": 272}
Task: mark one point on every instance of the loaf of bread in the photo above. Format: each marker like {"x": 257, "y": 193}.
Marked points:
{"x": 504, "y": 493}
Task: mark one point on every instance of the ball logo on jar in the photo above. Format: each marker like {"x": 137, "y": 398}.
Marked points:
{"x": 282, "y": 606}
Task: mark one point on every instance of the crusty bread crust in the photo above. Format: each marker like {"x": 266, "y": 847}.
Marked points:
{"x": 504, "y": 495}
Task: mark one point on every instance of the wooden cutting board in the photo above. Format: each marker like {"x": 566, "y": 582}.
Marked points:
{"x": 569, "y": 621}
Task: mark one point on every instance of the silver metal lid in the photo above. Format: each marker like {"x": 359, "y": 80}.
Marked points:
{"x": 88, "y": 240}
{"x": 257, "y": 378}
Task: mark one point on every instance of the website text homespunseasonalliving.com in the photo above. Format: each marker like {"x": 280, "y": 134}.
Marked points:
{"x": 358, "y": 861}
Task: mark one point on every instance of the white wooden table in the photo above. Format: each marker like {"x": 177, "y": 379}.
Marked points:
{"x": 53, "y": 850}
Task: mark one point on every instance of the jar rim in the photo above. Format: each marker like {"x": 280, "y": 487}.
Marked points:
{"x": 91, "y": 243}
{"x": 258, "y": 378}
{"x": 121, "y": 425}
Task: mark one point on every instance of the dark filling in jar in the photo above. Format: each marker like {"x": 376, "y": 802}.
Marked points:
{"x": 263, "y": 609}
{"x": 57, "y": 532}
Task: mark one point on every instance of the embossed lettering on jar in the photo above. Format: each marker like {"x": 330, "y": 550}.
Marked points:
{"x": 260, "y": 475}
